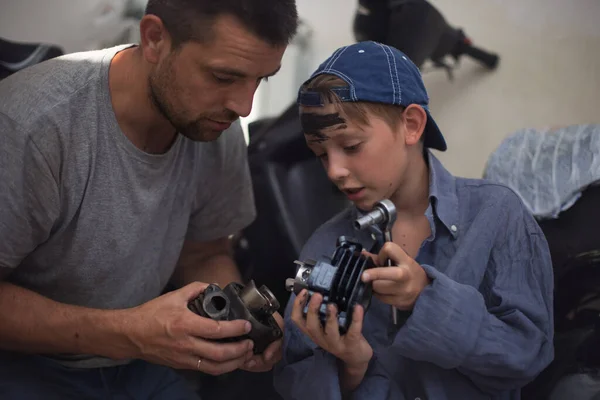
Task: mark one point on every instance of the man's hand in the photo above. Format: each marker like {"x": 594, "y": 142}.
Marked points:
{"x": 271, "y": 356}
{"x": 166, "y": 332}
{"x": 352, "y": 349}
{"x": 399, "y": 285}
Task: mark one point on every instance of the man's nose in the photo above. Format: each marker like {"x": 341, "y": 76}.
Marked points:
{"x": 240, "y": 102}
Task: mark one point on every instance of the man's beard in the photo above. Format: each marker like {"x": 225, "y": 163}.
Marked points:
{"x": 198, "y": 129}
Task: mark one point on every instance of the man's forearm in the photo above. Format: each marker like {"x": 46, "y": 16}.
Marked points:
{"x": 35, "y": 324}
{"x": 219, "y": 268}
{"x": 208, "y": 262}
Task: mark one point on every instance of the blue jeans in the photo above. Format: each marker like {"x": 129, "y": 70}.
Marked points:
{"x": 30, "y": 377}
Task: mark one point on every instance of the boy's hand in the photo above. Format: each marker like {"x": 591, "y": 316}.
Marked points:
{"x": 351, "y": 348}
{"x": 399, "y": 285}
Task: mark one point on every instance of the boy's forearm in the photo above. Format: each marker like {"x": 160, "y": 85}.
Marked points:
{"x": 35, "y": 324}
{"x": 351, "y": 377}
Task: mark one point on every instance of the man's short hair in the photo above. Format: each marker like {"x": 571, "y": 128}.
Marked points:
{"x": 274, "y": 21}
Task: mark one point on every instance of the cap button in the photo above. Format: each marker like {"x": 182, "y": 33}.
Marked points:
{"x": 453, "y": 228}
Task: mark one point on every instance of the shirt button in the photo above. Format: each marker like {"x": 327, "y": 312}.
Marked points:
{"x": 453, "y": 228}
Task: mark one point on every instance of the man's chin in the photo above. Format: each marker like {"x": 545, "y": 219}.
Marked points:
{"x": 206, "y": 135}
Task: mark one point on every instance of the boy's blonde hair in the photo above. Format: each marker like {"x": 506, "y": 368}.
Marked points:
{"x": 356, "y": 111}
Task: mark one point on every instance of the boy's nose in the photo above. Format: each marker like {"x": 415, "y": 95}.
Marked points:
{"x": 337, "y": 172}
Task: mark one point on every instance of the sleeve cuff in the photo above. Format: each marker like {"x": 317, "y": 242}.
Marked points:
{"x": 444, "y": 324}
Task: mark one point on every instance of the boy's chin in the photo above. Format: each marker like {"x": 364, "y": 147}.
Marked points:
{"x": 365, "y": 205}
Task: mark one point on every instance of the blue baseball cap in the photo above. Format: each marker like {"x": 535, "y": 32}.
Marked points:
{"x": 378, "y": 73}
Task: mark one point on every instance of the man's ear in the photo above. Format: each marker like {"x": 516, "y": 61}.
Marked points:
{"x": 155, "y": 40}
{"x": 415, "y": 119}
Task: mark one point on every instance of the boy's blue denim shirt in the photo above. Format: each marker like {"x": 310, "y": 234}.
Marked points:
{"x": 482, "y": 329}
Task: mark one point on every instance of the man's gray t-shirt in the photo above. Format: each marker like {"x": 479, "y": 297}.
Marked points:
{"x": 86, "y": 217}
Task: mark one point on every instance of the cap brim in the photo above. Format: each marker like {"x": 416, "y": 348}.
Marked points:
{"x": 433, "y": 136}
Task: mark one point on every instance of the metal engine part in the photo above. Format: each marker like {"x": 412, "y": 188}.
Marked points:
{"x": 236, "y": 301}
{"x": 337, "y": 279}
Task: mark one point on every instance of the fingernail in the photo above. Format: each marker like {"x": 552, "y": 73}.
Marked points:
{"x": 365, "y": 275}
{"x": 250, "y": 345}
{"x": 251, "y": 363}
{"x": 248, "y": 326}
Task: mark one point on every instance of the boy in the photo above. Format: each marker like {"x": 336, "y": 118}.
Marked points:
{"x": 472, "y": 279}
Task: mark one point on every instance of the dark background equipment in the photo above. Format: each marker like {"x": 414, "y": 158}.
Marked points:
{"x": 575, "y": 250}
{"x": 15, "y": 56}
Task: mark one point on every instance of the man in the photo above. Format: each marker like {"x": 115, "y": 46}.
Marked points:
{"x": 121, "y": 170}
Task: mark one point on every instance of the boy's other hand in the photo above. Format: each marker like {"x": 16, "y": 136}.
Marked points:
{"x": 399, "y": 285}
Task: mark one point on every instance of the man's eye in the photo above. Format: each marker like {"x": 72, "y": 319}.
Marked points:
{"x": 223, "y": 79}
{"x": 322, "y": 156}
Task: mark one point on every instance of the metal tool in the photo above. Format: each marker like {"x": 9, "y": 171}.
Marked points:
{"x": 384, "y": 216}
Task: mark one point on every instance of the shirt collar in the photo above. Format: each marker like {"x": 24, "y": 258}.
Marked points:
{"x": 443, "y": 199}
{"x": 442, "y": 194}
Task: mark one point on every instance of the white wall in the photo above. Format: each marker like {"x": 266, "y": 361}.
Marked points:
{"x": 328, "y": 26}
{"x": 549, "y": 72}
{"x": 75, "y": 25}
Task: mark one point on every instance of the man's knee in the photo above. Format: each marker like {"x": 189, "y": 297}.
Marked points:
{"x": 157, "y": 382}
{"x": 34, "y": 377}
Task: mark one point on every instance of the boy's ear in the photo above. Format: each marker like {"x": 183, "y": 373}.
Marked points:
{"x": 415, "y": 119}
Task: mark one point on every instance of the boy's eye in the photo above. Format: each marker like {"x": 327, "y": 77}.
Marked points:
{"x": 322, "y": 156}
{"x": 353, "y": 148}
